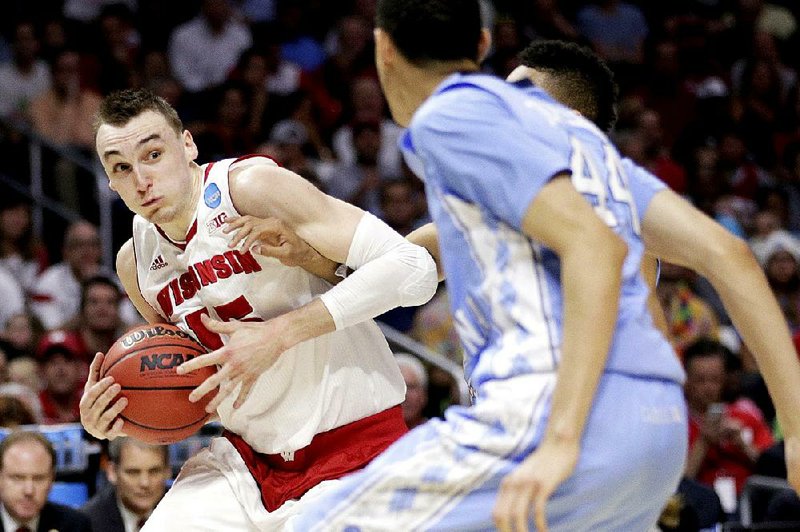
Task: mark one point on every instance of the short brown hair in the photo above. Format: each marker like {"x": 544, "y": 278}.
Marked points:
{"x": 120, "y": 107}
{"x": 19, "y": 436}
{"x": 116, "y": 445}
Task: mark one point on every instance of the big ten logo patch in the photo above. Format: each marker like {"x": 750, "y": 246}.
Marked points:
{"x": 216, "y": 222}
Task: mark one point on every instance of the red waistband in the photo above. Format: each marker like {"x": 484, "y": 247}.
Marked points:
{"x": 332, "y": 454}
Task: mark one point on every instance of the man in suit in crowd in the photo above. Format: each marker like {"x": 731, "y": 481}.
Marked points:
{"x": 137, "y": 473}
{"x": 27, "y": 472}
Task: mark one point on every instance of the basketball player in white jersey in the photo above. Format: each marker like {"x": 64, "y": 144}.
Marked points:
{"x": 301, "y": 407}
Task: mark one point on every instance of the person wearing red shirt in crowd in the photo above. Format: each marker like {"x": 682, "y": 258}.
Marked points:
{"x": 725, "y": 439}
{"x": 61, "y": 368}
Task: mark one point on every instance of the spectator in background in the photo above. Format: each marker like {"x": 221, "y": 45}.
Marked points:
{"x": 288, "y": 145}
{"x": 228, "y": 133}
{"x": 137, "y": 474}
{"x": 689, "y": 317}
{"x": 64, "y": 113}
{"x": 56, "y": 296}
{"x": 617, "y": 30}
{"x": 25, "y": 77}
{"x": 118, "y": 53}
{"x": 61, "y": 369}
{"x": 725, "y": 439}
{"x": 22, "y": 333}
{"x": 24, "y": 373}
{"x": 205, "y": 50}
{"x": 779, "y": 255}
{"x": 350, "y": 57}
{"x": 27, "y": 472}
{"x": 21, "y": 255}
{"x": 13, "y": 298}
{"x": 416, "y": 377}
{"x": 359, "y": 181}
{"x": 400, "y": 206}
{"x": 366, "y": 106}
{"x": 14, "y": 412}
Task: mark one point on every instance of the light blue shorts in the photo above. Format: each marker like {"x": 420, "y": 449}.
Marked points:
{"x": 444, "y": 475}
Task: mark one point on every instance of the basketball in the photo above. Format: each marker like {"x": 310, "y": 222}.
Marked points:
{"x": 143, "y": 362}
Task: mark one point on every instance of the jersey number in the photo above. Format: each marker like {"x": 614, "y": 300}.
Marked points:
{"x": 238, "y": 309}
{"x": 587, "y": 180}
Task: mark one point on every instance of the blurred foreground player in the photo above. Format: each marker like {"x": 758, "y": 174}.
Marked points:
{"x": 179, "y": 267}
{"x": 508, "y": 174}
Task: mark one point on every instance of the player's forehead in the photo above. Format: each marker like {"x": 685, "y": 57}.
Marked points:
{"x": 125, "y": 138}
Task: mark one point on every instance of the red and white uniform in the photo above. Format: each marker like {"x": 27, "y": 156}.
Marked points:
{"x": 316, "y": 386}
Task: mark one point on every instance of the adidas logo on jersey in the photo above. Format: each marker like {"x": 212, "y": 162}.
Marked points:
{"x": 158, "y": 263}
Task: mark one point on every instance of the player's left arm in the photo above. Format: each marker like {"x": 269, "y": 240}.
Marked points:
{"x": 389, "y": 272}
{"x": 561, "y": 219}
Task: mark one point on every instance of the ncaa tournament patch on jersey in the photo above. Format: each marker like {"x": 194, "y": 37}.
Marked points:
{"x": 212, "y": 196}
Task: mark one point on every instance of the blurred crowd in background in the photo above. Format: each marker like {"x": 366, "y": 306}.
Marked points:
{"x": 709, "y": 102}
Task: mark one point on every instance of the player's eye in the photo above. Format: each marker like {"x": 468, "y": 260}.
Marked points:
{"x": 153, "y": 155}
{"x": 121, "y": 167}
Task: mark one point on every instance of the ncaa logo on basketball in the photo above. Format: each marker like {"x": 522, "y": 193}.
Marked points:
{"x": 162, "y": 361}
{"x": 212, "y": 196}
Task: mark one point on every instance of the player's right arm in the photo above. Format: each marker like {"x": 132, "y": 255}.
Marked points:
{"x": 561, "y": 219}
{"x": 678, "y": 232}
{"x": 99, "y": 409}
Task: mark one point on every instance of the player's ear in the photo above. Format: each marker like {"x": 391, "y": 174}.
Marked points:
{"x": 385, "y": 50}
{"x": 484, "y": 44}
{"x": 189, "y": 146}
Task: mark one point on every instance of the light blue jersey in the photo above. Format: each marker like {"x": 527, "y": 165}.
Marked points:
{"x": 485, "y": 148}
{"x": 505, "y": 288}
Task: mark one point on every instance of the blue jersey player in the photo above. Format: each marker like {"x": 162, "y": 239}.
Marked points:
{"x": 578, "y": 419}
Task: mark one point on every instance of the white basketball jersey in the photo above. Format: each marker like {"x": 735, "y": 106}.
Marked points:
{"x": 313, "y": 387}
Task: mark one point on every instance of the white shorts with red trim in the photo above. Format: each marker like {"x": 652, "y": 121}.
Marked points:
{"x": 215, "y": 492}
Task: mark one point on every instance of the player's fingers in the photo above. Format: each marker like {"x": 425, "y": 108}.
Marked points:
{"x": 237, "y": 238}
{"x": 116, "y": 430}
{"x": 94, "y": 370}
{"x": 105, "y": 421}
{"x": 196, "y": 363}
{"x": 93, "y": 393}
{"x": 219, "y": 327}
{"x": 220, "y": 396}
{"x": 232, "y": 225}
{"x": 501, "y": 509}
{"x": 207, "y": 385}
{"x": 244, "y": 391}
{"x": 539, "y": 507}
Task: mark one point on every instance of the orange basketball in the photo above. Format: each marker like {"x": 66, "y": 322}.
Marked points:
{"x": 143, "y": 363}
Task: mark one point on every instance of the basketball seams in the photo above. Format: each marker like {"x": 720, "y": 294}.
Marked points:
{"x": 200, "y": 420}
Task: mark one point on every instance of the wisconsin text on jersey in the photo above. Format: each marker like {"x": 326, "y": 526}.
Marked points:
{"x": 203, "y": 273}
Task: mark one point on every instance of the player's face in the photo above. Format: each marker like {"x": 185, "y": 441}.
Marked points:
{"x": 25, "y": 479}
{"x": 150, "y": 165}
{"x": 140, "y": 477}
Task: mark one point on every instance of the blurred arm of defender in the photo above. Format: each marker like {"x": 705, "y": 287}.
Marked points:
{"x": 678, "y": 232}
{"x": 388, "y": 272}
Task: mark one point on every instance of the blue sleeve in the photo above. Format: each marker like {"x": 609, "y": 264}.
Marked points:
{"x": 475, "y": 147}
{"x": 643, "y": 186}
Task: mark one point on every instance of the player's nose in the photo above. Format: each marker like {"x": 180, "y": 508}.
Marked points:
{"x": 141, "y": 178}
